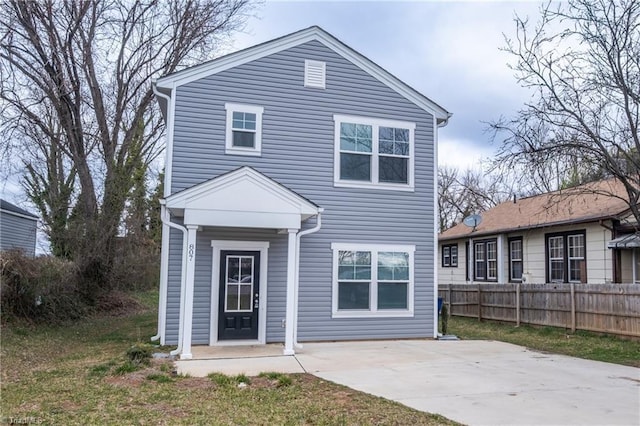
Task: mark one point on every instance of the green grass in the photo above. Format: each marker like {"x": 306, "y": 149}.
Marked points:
{"x": 581, "y": 344}
{"x": 81, "y": 374}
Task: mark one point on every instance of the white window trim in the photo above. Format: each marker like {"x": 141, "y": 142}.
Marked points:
{"x": 375, "y": 123}
{"x": 373, "y": 294}
{"x": 236, "y": 150}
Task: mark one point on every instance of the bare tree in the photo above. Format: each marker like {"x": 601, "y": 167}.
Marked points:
{"x": 463, "y": 193}
{"x": 78, "y": 108}
{"x": 582, "y": 62}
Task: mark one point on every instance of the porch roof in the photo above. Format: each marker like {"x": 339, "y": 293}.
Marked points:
{"x": 628, "y": 241}
{"x": 242, "y": 198}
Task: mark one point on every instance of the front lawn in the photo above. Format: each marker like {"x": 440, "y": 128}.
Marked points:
{"x": 581, "y": 344}
{"x": 79, "y": 374}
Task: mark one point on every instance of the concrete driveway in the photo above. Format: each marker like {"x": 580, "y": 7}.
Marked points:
{"x": 473, "y": 382}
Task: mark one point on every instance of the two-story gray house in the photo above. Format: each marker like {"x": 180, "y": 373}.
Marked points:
{"x": 300, "y": 189}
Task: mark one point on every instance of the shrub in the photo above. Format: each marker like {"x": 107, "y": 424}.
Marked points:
{"x": 40, "y": 289}
{"x": 47, "y": 289}
{"x": 140, "y": 354}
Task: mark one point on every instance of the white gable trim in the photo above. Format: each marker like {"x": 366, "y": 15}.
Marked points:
{"x": 242, "y": 198}
{"x": 310, "y": 34}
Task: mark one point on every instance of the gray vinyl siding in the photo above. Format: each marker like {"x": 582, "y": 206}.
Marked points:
{"x": 18, "y": 233}
{"x": 298, "y": 152}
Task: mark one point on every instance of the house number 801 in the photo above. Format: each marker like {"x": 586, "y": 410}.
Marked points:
{"x": 191, "y": 252}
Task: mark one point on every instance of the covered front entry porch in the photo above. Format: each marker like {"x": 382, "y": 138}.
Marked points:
{"x": 243, "y": 199}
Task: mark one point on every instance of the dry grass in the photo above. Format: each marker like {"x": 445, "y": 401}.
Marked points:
{"x": 77, "y": 374}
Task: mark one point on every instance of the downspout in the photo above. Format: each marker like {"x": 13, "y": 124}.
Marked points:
{"x": 297, "y": 275}
{"x": 164, "y": 257}
{"x": 167, "y": 221}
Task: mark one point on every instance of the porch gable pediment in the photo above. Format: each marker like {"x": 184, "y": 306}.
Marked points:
{"x": 241, "y": 198}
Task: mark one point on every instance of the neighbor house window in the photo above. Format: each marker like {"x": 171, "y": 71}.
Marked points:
{"x": 485, "y": 260}
{"x": 450, "y": 256}
{"x": 371, "y": 152}
{"x": 515, "y": 259}
{"x": 244, "y": 129}
{"x": 372, "y": 280}
{"x": 566, "y": 257}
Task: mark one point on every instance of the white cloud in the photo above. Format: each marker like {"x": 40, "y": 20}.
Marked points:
{"x": 462, "y": 154}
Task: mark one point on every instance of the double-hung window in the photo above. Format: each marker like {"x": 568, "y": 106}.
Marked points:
{"x": 515, "y": 259}
{"x": 372, "y": 280}
{"x": 244, "y": 129}
{"x": 485, "y": 260}
{"x": 450, "y": 256}
{"x": 373, "y": 153}
{"x": 566, "y": 257}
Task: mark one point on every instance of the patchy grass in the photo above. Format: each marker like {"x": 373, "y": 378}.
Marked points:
{"x": 81, "y": 374}
{"x": 581, "y": 344}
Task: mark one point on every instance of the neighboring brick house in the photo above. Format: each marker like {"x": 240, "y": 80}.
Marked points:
{"x": 582, "y": 235}
{"x": 262, "y": 144}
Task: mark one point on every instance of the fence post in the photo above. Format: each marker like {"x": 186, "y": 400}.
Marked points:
{"x": 517, "y": 304}
{"x": 479, "y": 303}
{"x": 449, "y": 296}
{"x": 573, "y": 308}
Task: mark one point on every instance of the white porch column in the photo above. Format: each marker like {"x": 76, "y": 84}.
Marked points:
{"x": 188, "y": 294}
{"x": 291, "y": 278}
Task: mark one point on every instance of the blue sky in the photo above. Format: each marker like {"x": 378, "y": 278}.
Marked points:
{"x": 449, "y": 51}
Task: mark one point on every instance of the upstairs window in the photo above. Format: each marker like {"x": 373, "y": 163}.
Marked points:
{"x": 244, "y": 129}
{"x": 373, "y": 153}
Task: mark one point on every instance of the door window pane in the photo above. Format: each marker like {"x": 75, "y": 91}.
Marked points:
{"x": 246, "y": 270}
{"x": 245, "y": 297}
{"x": 232, "y": 298}
{"x": 233, "y": 269}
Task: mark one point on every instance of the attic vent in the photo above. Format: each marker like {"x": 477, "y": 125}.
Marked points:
{"x": 314, "y": 74}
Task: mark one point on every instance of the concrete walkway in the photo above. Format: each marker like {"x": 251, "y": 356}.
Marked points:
{"x": 473, "y": 382}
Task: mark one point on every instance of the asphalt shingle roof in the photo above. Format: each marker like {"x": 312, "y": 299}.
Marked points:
{"x": 584, "y": 203}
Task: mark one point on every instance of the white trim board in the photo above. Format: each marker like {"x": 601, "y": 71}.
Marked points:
{"x": 218, "y": 246}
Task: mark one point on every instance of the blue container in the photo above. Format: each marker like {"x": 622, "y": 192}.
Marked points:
{"x": 440, "y": 302}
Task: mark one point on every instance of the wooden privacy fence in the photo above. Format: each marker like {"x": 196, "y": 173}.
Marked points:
{"x": 605, "y": 308}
